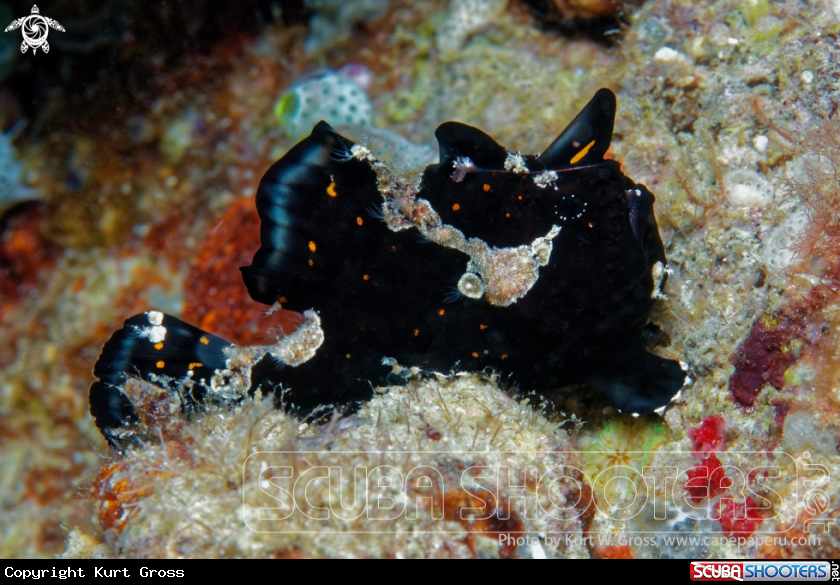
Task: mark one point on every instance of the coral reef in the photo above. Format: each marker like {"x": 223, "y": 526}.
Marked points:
{"x": 182, "y": 494}
{"x": 214, "y": 298}
{"x": 24, "y": 253}
{"x": 464, "y": 18}
{"x": 12, "y": 190}
{"x": 560, "y": 10}
{"x": 333, "y": 21}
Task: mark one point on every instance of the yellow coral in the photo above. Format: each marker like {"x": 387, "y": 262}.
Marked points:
{"x": 616, "y": 455}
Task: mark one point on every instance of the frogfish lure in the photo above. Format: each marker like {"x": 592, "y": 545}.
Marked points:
{"x": 544, "y": 267}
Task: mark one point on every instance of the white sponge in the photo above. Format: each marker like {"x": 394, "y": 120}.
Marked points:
{"x": 777, "y": 251}
{"x": 746, "y": 188}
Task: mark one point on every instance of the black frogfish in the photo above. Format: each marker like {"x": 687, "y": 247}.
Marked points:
{"x": 544, "y": 267}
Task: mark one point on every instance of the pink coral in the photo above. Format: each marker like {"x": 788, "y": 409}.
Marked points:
{"x": 706, "y": 479}
{"x": 741, "y": 518}
{"x": 708, "y": 437}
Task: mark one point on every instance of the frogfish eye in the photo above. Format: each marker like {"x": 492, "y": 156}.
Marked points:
{"x": 570, "y": 207}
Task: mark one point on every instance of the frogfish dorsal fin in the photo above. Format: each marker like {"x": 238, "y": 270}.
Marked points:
{"x": 587, "y": 138}
{"x": 456, "y": 139}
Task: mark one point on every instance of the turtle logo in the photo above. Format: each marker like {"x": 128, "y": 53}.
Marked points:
{"x": 35, "y": 29}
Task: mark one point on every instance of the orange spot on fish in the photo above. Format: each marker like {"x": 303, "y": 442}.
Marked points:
{"x": 331, "y": 190}
{"x": 582, "y": 153}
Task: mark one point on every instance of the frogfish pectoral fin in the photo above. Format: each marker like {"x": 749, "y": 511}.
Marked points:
{"x": 157, "y": 351}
